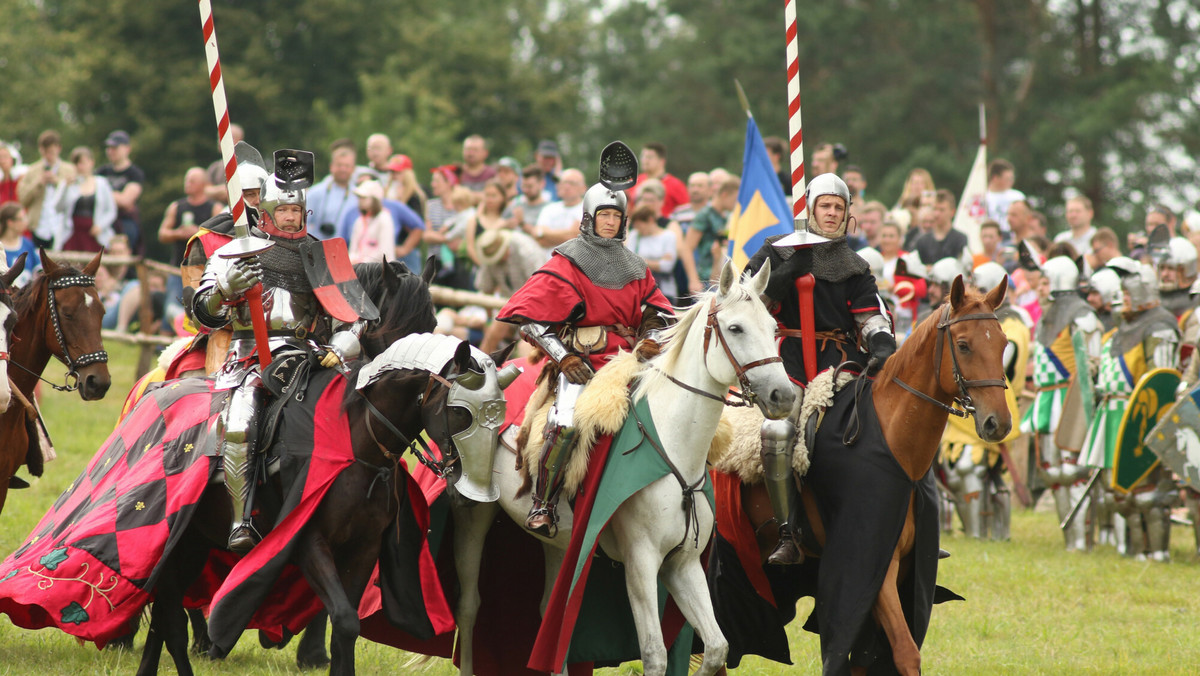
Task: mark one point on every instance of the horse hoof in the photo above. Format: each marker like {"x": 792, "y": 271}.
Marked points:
{"x": 312, "y": 661}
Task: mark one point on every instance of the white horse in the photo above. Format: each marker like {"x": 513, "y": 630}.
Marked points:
{"x": 727, "y": 337}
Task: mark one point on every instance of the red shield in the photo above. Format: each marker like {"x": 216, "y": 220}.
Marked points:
{"x": 327, "y": 265}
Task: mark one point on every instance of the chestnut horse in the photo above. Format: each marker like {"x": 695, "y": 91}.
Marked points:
{"x": 58, "y": 314}
{"x": 953, "y": 356}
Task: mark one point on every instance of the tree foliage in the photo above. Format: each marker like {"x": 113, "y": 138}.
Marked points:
{"x": 1095, "y": 96}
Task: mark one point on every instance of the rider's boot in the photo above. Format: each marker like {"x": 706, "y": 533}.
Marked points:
{"x": 778, "y": 437}
{"x": 543, "y": 516}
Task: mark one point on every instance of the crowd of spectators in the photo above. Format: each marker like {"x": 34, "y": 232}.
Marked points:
{"x": 490, "y": 225}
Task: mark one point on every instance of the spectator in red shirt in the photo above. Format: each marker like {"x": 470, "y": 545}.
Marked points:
{"x": 8, "y": 175}
{"x": 654, "y": 165}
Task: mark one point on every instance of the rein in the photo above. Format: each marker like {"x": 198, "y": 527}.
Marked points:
{"x": 71, "y": 381}
{"x": 746, "y": 395}
{"x": 690, "y": 516}
{"x": 964, "y": 398}
{"x": 419, "y": 446}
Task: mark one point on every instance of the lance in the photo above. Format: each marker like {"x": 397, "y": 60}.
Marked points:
{"x": 243, "y": 245}
{"x": 795, "y": 130}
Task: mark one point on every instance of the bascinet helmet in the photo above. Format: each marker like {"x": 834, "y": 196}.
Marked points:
{"x": 827, "y": 184}
{"x": 944, "y": 271}
{"x": 1062, "y": 273}
{"x": 618, "y": 173}
{"x": 1107, "y": 283}
{"x": 293, "y": 174}
{"x": 1139, "y": 281}
{"x": 873, "y": 259}
{"x": 988, "y": 275}
{"x": 1180, "y": 257}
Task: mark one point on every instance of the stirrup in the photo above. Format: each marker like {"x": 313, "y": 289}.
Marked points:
{"x": 542, "y": 520}
{"x": 242, "y": 538}
{"x": 787, "y": 552}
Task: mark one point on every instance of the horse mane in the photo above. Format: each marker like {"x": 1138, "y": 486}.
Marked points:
{"x": 673, "y": 338}
{"x": 912, "y": 355}
{"x": 406, "y": 310}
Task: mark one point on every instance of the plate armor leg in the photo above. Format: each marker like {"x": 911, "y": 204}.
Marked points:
{"x": 966, "y": 480}
{"x": 778, "y": 439}
{"x": 1158, "y": 518}
{"x": 1077, "y": 532}
{"x": 239, "y": 423}
{"x": 1106, "y": 529}
{"x": 999, "y": 504}
{"x": 558, "y": 445}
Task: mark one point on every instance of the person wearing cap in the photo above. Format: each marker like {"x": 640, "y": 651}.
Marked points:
{"x": 507, "y": 259}
{"x": 548, "y": 158}
{"x": 374, "y": 233}
{"x": 508, "y": 173}
{"x": 815, "y": 274}
{"x": 1147, "y": 339}
{"x": 43, "y": 184}
{"x": 403, "y": 186}
{"x": 593, "y": 298}
{"x": 476, "y": 172}
{"x": 127, "y": 180}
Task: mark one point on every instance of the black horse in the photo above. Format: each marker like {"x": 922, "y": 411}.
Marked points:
{"x": 340, "y": 544}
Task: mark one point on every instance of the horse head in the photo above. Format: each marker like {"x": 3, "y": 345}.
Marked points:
{"x": 72, "y": 318}
{"x": 971, "y": 369}
{"x": 739, "y": 341}
{"x": 8, "y": 320}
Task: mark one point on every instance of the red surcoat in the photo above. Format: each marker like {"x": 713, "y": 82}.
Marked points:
{"x": 560, "y": 294}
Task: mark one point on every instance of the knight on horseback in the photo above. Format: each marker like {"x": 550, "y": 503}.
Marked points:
{"x": 592, "y": 298}
{"x": 829, "y": 312}
{"x": 299, "y": 329}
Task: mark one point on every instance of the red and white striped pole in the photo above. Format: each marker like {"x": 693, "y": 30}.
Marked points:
{"x": 795, "y": 130}
{"x": 242, "y": 245}
{"x": 221, "y": 109}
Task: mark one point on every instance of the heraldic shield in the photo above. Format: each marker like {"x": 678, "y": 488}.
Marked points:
{"x": 1176, "y": 438}
{"x": 327, "y": 265}
{"x": 1132, "y": 460}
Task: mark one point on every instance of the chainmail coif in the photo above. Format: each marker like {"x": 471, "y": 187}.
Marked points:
{"x": 604, "y": 260}
{"x": 283, "y": 268}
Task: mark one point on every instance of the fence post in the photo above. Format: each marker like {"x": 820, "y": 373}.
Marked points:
{"x": 145, "y": 317}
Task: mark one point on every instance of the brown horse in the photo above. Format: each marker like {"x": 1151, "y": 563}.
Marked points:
{"x": 953, "y": 356}
{"x": 59, "y": 314}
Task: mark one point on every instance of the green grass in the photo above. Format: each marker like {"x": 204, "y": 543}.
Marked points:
{"x": 1031, "y": 607}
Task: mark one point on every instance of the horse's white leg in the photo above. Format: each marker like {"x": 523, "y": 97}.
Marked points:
{"x": 685, "y": 580}
{"x": 553, "y": 557}
{"x": 472, "y": 520}
{"x": 642, "y": 562}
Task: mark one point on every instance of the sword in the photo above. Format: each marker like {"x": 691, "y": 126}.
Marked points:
{"x": 243, "y": 245}
{"x": 1075, "y": 509}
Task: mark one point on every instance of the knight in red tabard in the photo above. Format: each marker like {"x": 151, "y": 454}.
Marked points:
{"x": 592, "y": 298}
{"x": 829, "y": 312}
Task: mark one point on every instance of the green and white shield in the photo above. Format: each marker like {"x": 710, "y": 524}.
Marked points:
{"x": 1176, "y": 438}
{"x": 1132, "y": 460}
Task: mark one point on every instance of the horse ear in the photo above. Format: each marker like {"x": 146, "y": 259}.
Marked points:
{"x": 432, "y": 265}
{"x": 996, "y": 296}
{"x": 727, "y": 278}
{"x": 957, "y": 291}
{"x": 500, "y": 356}
{"x": 758, "y": 283}
{"x": 15, "y": 271}
{"x": 49, "y": 267}
{"x": 94, "y": 265}
{"x": 391, "y": 279}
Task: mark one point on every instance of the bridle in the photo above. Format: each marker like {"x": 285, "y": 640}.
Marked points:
{"x": 964, "y": 398}
{"x": 73, "y": 365}
{"x": 746, "y": 396}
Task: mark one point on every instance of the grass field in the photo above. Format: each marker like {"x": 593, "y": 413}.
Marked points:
{"x": 1031, "y": 608}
